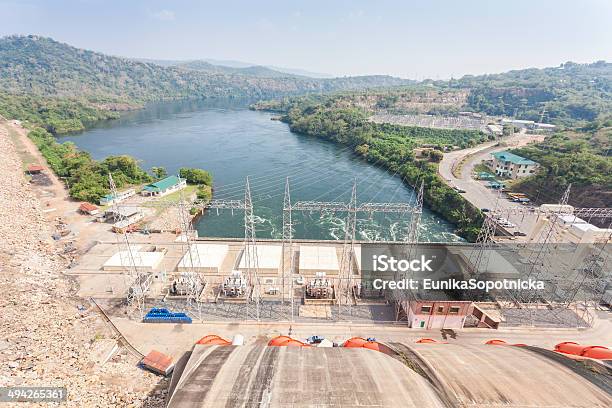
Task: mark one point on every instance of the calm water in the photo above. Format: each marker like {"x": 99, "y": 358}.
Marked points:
{"x": 230, "y": 141}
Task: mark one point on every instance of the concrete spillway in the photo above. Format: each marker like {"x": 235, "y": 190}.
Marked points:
{"x": 410, "y": 375}
{"x": 251, "y": 375}
{"x": 415, "y": 375}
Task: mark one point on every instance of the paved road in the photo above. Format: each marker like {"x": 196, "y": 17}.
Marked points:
{"x": 174, "y": 339}
{"x": 475, "y": 191}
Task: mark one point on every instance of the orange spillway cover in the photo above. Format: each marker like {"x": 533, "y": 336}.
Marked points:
{"x": 355, "y": 342}
{"x": 372, "y": 345}
{"x": 280, "y": 341}
{"x": 426, "y": 341}
{"x": 213, "y": 339}
{"x": 597, "y": 352}
{"x": 294, "y": 343}
{"x": 496, "y": 342}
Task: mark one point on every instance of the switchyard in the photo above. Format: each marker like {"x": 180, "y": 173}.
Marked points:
{"x": 292, "y": 280}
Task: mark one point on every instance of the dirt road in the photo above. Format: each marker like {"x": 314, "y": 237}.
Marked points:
{"x": 54, "y": 197}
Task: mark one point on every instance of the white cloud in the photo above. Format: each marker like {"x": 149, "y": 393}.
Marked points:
{"x": 163, "y": 15}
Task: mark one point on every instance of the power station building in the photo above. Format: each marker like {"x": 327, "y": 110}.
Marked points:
{"x": 315, "y": 258}
{"x": 203, "y": 258}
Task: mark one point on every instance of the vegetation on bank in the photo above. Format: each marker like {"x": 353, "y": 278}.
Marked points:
{"x": 389, "y": 146}
{"x": 580, "y": 158}
{"x": 201, "y": 178}
{"x": 56, "y": 115}
{"x": 87, "y": 179}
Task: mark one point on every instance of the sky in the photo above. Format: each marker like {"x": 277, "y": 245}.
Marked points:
{"x": 414, "y": 39}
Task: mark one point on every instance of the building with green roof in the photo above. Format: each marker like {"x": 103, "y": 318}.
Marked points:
{"x": 164, "y": 186}
{"x": 510, "y": 165}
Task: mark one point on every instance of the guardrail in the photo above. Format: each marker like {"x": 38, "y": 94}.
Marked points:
{"x": 120, "y": 337}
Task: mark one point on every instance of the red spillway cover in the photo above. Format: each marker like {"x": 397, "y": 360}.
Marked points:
{"x": 426, "y": 341}
{"x": 355, "y": 342}
{"x": 496, "y": 342}
{"x": 597, "y": 352}
{"x": 569, "y": 347}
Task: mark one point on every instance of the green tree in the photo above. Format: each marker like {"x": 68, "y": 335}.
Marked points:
{"x": 436, "y": 156}
{"x": 204, "y": 193}
{"x": 196, "y": 176}
{"x": 159, "y": 172}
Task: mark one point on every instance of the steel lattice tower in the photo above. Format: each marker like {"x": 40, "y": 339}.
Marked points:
{"x": 137, "y": 284}
{"x": 250, "y": 251}
{"x": 346, "y": 265}
{"x": 287, "y": 245}
{"x": 193, "y": 277}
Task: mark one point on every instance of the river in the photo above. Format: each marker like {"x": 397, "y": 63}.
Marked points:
{"x": 232, "y": 142}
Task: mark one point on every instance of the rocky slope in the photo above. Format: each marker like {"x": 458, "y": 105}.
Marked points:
{"x": 48, "y": 337}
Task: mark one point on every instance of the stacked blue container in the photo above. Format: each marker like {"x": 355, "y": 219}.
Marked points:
{"x": 162, "y": 315}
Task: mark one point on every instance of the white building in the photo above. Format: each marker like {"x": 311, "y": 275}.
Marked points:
{"x": 519, "y": 123}
{"x": 590, "y": 233}
{"x": 110, "y": 199}
{"x": 315, "y": 258}
{"x": 584, "y": 231}
{"x": 137, "y": 257}
{"x": 496, "y": 130}
{"x": 510, "y": 165}
{"x": 268, "y": 257}
{"x": 203, "y": 258}
{"x": 545, "y": 127}
{"x": 568, "y": 219}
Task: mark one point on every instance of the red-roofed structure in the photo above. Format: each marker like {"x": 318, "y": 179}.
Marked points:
{"x": 158, "y": 362}
{"x": 35, "y": 168}
{"x": 88, "y": 208}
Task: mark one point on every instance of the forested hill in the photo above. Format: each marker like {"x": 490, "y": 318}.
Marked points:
{"x": 565, "y": 94}
{"x": 255, "y": 70}
{"x": 42, "y": 66}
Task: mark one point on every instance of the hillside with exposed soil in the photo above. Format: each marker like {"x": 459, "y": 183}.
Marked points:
{"x": 49, "y": 337}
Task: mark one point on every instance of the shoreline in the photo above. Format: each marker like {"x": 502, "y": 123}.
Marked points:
{"x": 386, "y": 168}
